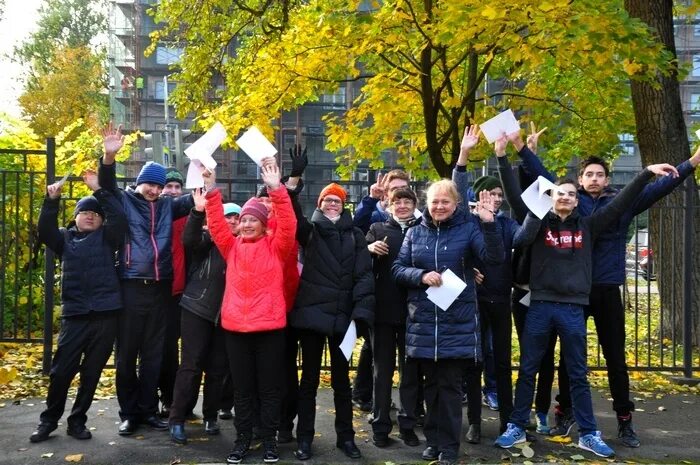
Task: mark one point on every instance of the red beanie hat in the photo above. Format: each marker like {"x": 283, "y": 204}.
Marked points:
{"x": 256, "y": 208}
{"x": 332, "y": 189}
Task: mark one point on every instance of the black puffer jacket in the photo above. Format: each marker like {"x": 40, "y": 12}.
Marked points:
{"x": 391, "y": 308}
{"x": 336, "y": 284}
{"x": 206, "y": 275}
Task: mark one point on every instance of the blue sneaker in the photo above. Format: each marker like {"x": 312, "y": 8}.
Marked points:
{"x": 542, "y": 426}
{"x": 491, "y": 400}
{"x": 513, "y": 435}
{"x": 592, "y": 442}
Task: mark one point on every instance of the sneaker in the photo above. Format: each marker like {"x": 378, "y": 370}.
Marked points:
{"x": 625, "y": 431}
{"x": 409, "y": 437}
{"x": 270, "y": 454}
{"x": 225, "y": 414}
{"x": 491, "y": 400}
{"x": 363, "y": 405}
{"x": 542, "y": 426}
{"x": 513, "y": 435}
{"x": 592, "y": 442}
{"x": 563, "y": 423}
{"x": 240, "y": 449}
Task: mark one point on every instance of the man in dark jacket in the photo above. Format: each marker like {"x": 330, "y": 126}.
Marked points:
{"x": 608, "y": 275}
{"x": 560, "y": 283}
{"x": 146, "y": 273}
{"x": 90, "y": 310}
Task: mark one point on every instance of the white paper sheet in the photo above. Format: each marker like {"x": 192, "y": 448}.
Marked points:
{"x": 536, "y": 198}
{"x": 194, "y": 177}
{"x": 349, "y": 340}
{"x": 526, "y": 299}
{"x": 200, "y": 154}
{"x": 494, "y": 128}
{"x": 451, "y": 288}
{"x": 63, "y": 180}
{"x": 255, "y": 145}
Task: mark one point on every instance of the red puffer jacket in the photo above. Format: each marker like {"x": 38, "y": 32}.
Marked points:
{"x": 254, "y": 295}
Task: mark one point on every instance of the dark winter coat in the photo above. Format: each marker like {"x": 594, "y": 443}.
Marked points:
{"x": 433, "y": 333}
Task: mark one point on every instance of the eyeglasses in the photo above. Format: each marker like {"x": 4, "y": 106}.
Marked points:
{"x": 89, "y": 214}
{"x": 332, "y": 201}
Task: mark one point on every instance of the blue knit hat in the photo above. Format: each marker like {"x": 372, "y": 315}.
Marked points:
{"x": 88, "y": 204}
{"x": 232, "y": 209}
{"x": 153, "y": 173}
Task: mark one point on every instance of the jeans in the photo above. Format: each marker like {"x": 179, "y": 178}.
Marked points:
{"x": 568, "y": 320}
{"x": 609, "y": 317}
{"x": 84, "y": 345}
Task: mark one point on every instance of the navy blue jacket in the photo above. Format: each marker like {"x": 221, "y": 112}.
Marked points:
{"x": 89, "y": 280}
{"x": 610, "y": 247}
{"x": 433, "y": 333}
{"x": 367, "y": 213}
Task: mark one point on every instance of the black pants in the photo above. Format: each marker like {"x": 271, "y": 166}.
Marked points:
{"x": 609, "y": 317}
{"x": 411, "y": 394}
{"x": 545, "y": 376}
{"x": 312, "y": 344}
{"x": 256, "y": 361}
{"x": 443, "y": 396}
{"x": 496, "y": 317}
{"x": 203, "y": 350}
{"x": 171, "y": 351}
{"x": 386, "y": 339}
{"x": 84, "y": 345}
{"x": 226, "y": 402}
{"x": 291, "y": 381}
{"x": 362, "y": 385}
{"x": 140, "y": 339}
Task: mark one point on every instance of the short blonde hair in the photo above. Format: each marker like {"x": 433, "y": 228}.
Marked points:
{"x": 443, "y": 186}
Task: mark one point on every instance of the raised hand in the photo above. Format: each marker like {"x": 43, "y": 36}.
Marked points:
{"x": 484, "y": 207}
{"x": 533, "y": 137}
{"x": 299, "y": 161}
{"x": 663, "y": 169}
{"x": 500, "y": 146}
{"x": 90, "y": 180}
{"x": 209, "y": 177}
{"x": 271, "y": 176}
{"x": 515, "y": 139}
{"x": 199, "y": 198}
{"x": 54, "y": 190}
{"x": 471, "y": 137}
{"x": 113, "y": 141}
{"x": 376, "y": 190}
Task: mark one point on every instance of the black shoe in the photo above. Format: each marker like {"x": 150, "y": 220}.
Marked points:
{"x": 270, "y": 454}
{"x": 474, "y": 434}
{"x": 408, "y": 436}
{"x": 156, "y": 423}
{"x": 349, "y": 448}
{"x": 284, "y": 436}
{"x": 127, "y": 427}
{"x": 240, "y": 449}
{"x": 380, "y": 439}
{"x": 225, "y": 414}
{"x": 42, "y": 432}
{"x": 303, "y": 451}
{"x": 164, "y": 412}
{"x": 430, "y": 453}
{"x": 78, "y": 432}
{"x": 177, "y": 433}
{"x": 365, "y": 406}
{"x": 211, "y": 427}
{"x": 191, "y": 416}
{"x": 625, "y": 431}
{"x": 442, "y": 460}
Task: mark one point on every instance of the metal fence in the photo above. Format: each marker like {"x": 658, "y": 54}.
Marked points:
{"x": 659, "y": 341}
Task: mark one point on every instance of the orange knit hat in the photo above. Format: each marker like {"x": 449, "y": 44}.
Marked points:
{"x": 332, "y": 189}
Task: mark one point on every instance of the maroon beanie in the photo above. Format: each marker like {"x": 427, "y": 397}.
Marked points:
{"x": 256, "y": 208}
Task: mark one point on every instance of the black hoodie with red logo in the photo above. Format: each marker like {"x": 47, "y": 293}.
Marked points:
{"x": 560, "y": 269}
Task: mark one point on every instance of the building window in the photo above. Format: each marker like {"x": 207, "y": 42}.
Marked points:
{"x": 159, "y": 87}
{"x": 696, "y": 66}
{"x": 694, "y": 102}
{"x": 338, "y": 98}
{"x": 168, "y": 55}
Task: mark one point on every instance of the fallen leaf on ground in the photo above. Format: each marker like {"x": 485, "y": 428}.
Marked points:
{"x": 47, "y": 455}
{"x": 559, "y": 439}
{"x": 578, "y": 457}
{"x": 74, "y": 458}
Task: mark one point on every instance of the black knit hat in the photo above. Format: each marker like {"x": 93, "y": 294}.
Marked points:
{"x": 485, "y": 183}
{"x": 173, "y": 175}
{"x": 88, "y": 204}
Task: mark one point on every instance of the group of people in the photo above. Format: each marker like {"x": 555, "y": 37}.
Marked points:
{"x": 246, "y": 289}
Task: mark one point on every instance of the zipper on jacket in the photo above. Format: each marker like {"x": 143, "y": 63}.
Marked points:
{"x": 437, "y": 241}
{"x": 153, "y": 239}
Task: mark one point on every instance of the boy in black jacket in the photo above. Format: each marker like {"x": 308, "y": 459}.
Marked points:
{"x": 90, "y": 309}
{"x": 560, "y": 282}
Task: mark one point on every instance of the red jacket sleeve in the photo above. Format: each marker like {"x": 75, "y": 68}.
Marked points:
{"x": 218, "y": 228}
{"x": 285, "y": 232}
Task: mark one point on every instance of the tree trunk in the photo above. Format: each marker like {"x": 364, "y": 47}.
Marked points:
{"x": 663, "y": 138}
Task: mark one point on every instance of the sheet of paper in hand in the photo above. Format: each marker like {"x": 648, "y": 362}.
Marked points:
{"x": 443, "y": 296}
{"x": 255, "y": 145}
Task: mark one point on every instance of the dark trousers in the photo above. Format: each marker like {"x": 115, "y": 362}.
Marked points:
{"x": 489, "y": 385}
{"x": 203, "y": 350}
{"x": 171, "y": 351}
{"x": 411, "y": 393}
{"x": 471, "y": 386}
{"x": 256, "y": 361}
{"x": 226, "y": 402}
{"x": 495, "y": 318}
{"x": 443, "y": 396}
{"x": 609, "y": 317}
{"x": 545, "y": 374}
{"x": 386, "y": 339}
{"x": 291, "y": 383}
{"x": 312, "y": 344}
{"x": 140, "y": 339}
{"x": 570, "y": 324}
{"x": 362, "y": 385}
{"x": 84, "y": 345}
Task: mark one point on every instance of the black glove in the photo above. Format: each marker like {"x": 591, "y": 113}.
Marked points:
{"x": 299, "y": 161}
